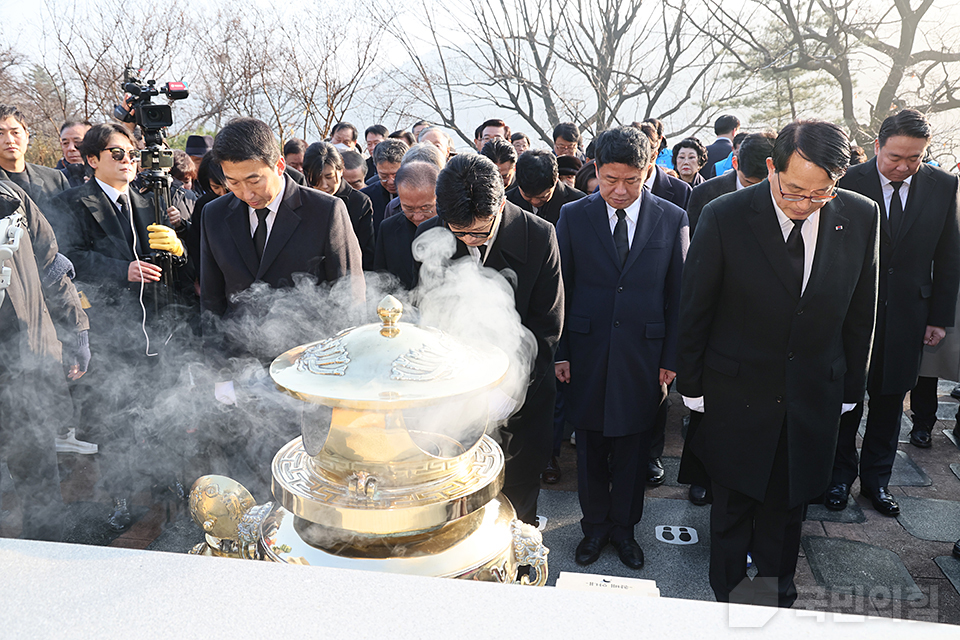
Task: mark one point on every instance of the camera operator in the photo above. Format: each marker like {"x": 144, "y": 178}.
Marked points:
{"x": 109, "y": 239}
{"x": 33, "y": 394}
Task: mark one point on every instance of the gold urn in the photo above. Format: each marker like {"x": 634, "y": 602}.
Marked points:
{"x": 393, "y": 471}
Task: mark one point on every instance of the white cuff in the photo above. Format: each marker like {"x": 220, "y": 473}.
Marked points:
{"x": 846, "y": 407}
{"x": 694, "y": 404}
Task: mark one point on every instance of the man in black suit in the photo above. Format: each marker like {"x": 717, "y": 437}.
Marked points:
{"x": 538, "y": 188}
{"x": 387, "y": 157}
{"x": 42, "y": 184}
{"x": 71, "y": 165}
{"x": 779, "y": 294}
{"x": 374, "y": 135}
{"x": 416, "y": 190}
{"x": 750, "y": 167}
{"x": 107, "y": 231}
{"x": 499, "y": 235}
{"x": 268, "y": 228}
{"x": 725, "y": 128}
{"x": 622, "y": 252}
{"x": 919, "y": 277}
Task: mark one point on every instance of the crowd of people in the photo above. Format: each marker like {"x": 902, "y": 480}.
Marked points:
{"x": 772, "y": 277}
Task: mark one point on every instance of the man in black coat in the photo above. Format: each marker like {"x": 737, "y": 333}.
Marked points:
{"x": 497, "y": 234}
{"x": 42, "y": 184}
{"x": 919, "y": 277}
{"x": 387, "y": 156}
{"x": 750, "y": 167}
{"x": 416, "y": 191}
{"x": 108, "y": 231}
{"x": 779, "y": 295}
{"x": 622, "y": 252}
{"x": 725, "y": 128}
{"x": 268, "y": 228}
{"x": 663, "y": 185}
{"x": 538, "y": 188}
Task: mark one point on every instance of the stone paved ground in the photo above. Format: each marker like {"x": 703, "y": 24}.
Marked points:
{"x": 855, "y": 562}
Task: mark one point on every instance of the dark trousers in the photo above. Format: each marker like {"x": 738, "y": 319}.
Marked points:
{"x": 879, "y": 449}
{"x": 526, "y": 441}
{"x": 924, "y": 401}
{"x": 559, "y": 420}
{"x": 769, "y": 532}
{"x": 611, "y": 478}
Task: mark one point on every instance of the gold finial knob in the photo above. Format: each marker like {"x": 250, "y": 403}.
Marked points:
{"x": 390, "y": 309}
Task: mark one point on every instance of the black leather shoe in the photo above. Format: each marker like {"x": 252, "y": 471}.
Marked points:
{"x": 630, "y": 553}
{"x": 956, "y": 392}
{"x": 956, "y": 549}
{"x": 120, "y": 519}
{"x": 882, "y": 501}
{"x": 921, "y": 438}
{"x": 698, "y": 495}
{"x": 588, "y": 551}
{"x": 655, "y": 473}
{"x": 551, "y": 475}
{"x": 836, "y": 497}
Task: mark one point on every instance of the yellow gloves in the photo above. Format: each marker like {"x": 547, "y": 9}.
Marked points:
{"x": 165, "y": 239}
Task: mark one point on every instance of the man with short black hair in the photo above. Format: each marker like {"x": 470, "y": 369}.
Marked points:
{"x": 387, "y": 157}
{"x": 489, "y": 130}
{"x": 293, "y": 150}
{"x": 919, "y": 277}
{"x": 750, "y": 167}
{"x": 776, "y": 314}
{"x": 374, "y": 135}
{"x": 472, "y": 205}
{"x": 71, "y": 164}
{"x": 538, "y": 188}
{"x": 418, "y": 128}
{"x": 42, "y": 184}
{"x": 566, "y": 140}
{"x": 725, "y": 128}
{"x": 345, "y": 135}
{"x": 268, "y": 228}
{"x": 416, "y": 191}
{"x": 504, "y": 156}
{"x": 622, "y": 252}
{"x": 658, "y": 181}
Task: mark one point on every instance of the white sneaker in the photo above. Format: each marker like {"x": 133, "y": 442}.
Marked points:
{"x": 70, "y": 444}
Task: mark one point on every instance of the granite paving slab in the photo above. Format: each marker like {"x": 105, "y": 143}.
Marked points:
{"x": 955, "y": 467}
{"x": 680, "y": 570}
{"x": 847, "y": 566}
{"x": 907, "y": 473}
{"x": 952, "y": 436}
{"x": 671, "y": 466}
{"x": 179, "y": 536}
{"x": 930, "y": 519}
{"x": 947, "y": 410}
{"x": 951, "y": 568}
{"x": 944, "y": 387}
{"x": 852, "y": 514}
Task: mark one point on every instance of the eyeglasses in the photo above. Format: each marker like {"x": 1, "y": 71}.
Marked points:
{"x": 479, "y": 235}
{"x": 565, "y": 148}
{"x": 792, "y": 197}
{"x": 427, "y": 208}
{"x": 117, "y": 153}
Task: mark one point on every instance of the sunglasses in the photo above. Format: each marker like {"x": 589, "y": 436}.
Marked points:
{"x": 117, "y": 153}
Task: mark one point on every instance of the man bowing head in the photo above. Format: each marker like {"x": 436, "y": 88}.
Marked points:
{"x": 776, "y": 317}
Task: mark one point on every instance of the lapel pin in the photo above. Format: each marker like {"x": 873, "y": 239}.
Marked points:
{"x": 839, "y": 227}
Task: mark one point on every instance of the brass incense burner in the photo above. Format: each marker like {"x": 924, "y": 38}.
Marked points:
{"x": 393, "y": 471}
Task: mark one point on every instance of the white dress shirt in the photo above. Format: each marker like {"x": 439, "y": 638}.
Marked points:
{"x": 633, "y": 214}
{"x": 887, "y": 187}
{"x": 274, "y": 206}
{"x": 113, "y": 194}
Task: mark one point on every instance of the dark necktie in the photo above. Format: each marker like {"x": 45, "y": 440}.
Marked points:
{"x": 260, "y": 233}
{"x": 795, "y": 252}
{"x": 483, "y": 252}
{"x": 895, "y": 215}
{"x": 123, "y": 215}
{"x": 620, "y": 236}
